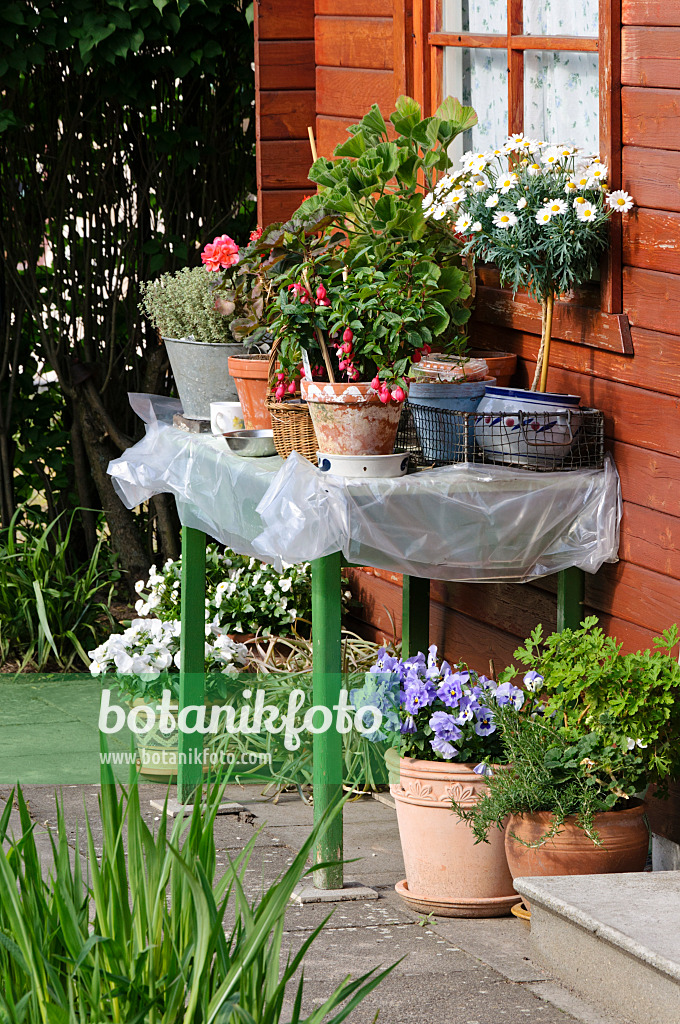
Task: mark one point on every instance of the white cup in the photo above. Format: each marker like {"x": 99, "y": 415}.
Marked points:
{"x": 225, "y": 417}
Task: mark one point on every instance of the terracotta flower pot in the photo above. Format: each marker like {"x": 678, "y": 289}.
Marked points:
{"x": 502, "y": 365}
{"x": 624, "y": 835}
{"x": 350, "y": 419}
{"x": 251, "y": 374}
{"x": 446, "y": 873}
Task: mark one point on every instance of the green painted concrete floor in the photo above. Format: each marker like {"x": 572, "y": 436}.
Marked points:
{"x": 49, "y": 730}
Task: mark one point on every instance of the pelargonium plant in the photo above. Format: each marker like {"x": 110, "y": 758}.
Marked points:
{"x": 540, "y": 212}
{"x": 242, "y": 288}
{"x": 243, "y": 595}
{"x": 445, "y": 713}
{"x": 145, "y": 659}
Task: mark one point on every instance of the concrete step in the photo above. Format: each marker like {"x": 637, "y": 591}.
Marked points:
{"x": 614, "y": 939}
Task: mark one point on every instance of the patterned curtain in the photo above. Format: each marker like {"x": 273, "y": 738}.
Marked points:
{"x": 561, "y": 88}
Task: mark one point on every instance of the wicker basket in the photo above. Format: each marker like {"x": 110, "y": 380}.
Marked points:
{"x": 291, "y": 422}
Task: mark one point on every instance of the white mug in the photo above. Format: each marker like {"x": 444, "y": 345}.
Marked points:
{"x": 225, "y": 417}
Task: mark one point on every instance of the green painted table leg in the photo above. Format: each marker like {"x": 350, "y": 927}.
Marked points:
{"x": 327, "y": 682}
{"x": 415, "y": 628}
{"x": 570, "y": 598}
{"x": 192, "y": 659}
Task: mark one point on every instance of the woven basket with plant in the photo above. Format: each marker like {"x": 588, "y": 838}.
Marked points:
{"x": 291, "y": 421}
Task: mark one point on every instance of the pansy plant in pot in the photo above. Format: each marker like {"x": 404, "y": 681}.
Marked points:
{"x": 447, "y": 741}
{"x": 539, "y": 212}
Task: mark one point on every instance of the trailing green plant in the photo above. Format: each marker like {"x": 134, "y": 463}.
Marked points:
{"x": 52, "y": 608}
{"x": 597, "y": 728}
{"x": 151, "y": 931}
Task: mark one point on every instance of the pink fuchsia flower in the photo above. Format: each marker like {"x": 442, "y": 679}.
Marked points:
{"x": 398, "y": 394}
{"x": 222, "y": 252}
{"x": 348, "y": 334}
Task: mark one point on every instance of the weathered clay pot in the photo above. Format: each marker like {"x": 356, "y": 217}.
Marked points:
{"x": 446, "y": 873}
{"x": 350, "y": 419}
{"x": 251, "y": 374}
{"x": 624, "y": 835}
{"x": 502, "y": 365}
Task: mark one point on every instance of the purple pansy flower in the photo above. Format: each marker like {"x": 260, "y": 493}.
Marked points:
{"x": 450, "y": 690}
{"x": 532, "y": 681}
{"x": 484, "y": 725}
{"x": 443, "y": 747}
{"x": 408, "y": 725}
{"x": 386, "y": 663}
{"x": 416, "y": 696}
{"x": 509, "y": 694}
{"x": 467, "y": 710}
{"x": 482, "y": 769}
{"x": 445, "y": 726}
{"x": 485, "y": 682}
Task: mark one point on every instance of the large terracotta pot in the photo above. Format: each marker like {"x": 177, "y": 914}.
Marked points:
{"x": 502, "y": 365}
{"x": 624, "y": 835}
{"x": 446, "y": 873}
{"x": 251, "y": 374}
{"x": 350, "y": 419}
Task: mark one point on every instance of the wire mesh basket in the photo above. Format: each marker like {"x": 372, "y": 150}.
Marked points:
{"x": 560, "y": 440}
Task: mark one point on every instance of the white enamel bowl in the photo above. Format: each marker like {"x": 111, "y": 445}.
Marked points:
{"x": 507, "y": 431}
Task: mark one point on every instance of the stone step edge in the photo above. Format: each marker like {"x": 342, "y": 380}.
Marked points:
{"x": 531, "y": 888}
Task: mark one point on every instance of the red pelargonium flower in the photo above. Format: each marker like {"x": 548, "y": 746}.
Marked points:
{"x": 256, "y": 235}
{"x": 221, "y": 252}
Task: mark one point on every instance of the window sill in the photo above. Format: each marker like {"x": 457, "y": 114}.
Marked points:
{"x": 572, "y": 322}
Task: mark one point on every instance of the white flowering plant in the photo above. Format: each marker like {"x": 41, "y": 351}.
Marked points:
{"x": 243, "y": 595}
{"x": 539, "y": 212}
{"x": 145, "y": 659}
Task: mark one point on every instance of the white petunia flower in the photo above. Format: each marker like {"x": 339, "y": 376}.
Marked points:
{"x": 620, "y": 201}
{"x": 491, "y": 201}
{"x": 463, "y": 223}
{"x": 543, "y": 216}
{"x": 285, "y": 585}
{"x": 504, "y": 219}
{"x": 521, "y": 203}
{"x": 97, "y": 667}
{"x": 505, "y": 184}
{"x": 139, "y": 586}
{"x": 586, "y": 212}
{"x": 557, "y": 207}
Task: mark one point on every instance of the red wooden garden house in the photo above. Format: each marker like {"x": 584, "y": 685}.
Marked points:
{"x": 612, "y": 71}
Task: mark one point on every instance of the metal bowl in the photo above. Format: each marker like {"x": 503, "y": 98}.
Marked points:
{"x": 251, "y": 444}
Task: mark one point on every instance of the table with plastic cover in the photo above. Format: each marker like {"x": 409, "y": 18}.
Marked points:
{"x": 464, "y": 522}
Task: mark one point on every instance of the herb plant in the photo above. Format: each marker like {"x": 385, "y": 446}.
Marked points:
{"x": 539, "y": 212}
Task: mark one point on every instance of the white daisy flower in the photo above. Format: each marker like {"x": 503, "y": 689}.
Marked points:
{"x": 620, "y": 201}
{"x": 504, "y": 219}
{"x": 493, "y": 154}
{"x": 543, "y": 216}
{"x": 438, "y": 211}
{"x": 444, "y": 183}
{"x": 565, "y": 151}
{"x": 491, "y": 201}
{"x": 514, "y": 143}
{"x": 534, "y": 169}
{"x": 463, "y": 223}
{"x": 477, "y": 226}
{"x": 556, "y": 207}
{"x": 586, "y": 212}
{"x": 521, "y": 203}
{"x": 570, "y": 187}
{"x": 427, "y": 201}
{"x": 551, "y": 157}
{"x": 579, "y": 201}
{"x": 505, "y": 184}
{"x": 479, "y": 185}
{"x": 597, "y": 171}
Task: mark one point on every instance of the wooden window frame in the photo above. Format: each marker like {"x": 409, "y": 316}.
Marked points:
{"x": 605, "y": 326}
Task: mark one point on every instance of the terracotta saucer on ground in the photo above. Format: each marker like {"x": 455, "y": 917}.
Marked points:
{"x": 497, "y": 906}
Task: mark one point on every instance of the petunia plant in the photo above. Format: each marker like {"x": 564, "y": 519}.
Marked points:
{"x": 539, "y": 212}
{"x": 445, "y": 713}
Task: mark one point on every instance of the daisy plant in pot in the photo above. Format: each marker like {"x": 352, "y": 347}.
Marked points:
{"x": 443, "y": 724}
{"x": 539, "y": 212}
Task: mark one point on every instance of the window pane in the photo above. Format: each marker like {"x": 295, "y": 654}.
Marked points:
{"x": 475, "y": 15}
{"x": 479, "y": 79}
{"x": 561, "y": 91}
{"x": 557, "y": 18}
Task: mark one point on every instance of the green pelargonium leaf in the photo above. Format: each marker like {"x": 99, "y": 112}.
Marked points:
{"x": 460, "y": 118}
{"x": 406, "y": 115}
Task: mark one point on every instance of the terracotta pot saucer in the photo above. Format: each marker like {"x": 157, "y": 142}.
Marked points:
{"x": 495, "y": 906}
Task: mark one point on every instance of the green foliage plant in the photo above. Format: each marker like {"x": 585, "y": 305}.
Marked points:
{"x": 152, "y": 931}
{"x": 51, "y": 607}
{"x": 599, "y": 727}
{"x": 539, "y": 212}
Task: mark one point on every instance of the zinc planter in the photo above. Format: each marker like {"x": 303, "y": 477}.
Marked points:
{"x": 624, "y": 835}
{"x": 350, "y": 419}
{"x": 201, "y": 374}
{"x": 251, "y": 374}
{"x": 446, "y": 873}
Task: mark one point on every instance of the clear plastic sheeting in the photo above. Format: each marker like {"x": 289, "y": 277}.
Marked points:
{"x": 463, "y": 522}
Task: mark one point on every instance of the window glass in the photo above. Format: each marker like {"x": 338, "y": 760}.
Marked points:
{"x": 479, "y": 78}
{"x": 475, "y": 16}
{"x": 561, "y": 97}
{"x": 560, "y": 17}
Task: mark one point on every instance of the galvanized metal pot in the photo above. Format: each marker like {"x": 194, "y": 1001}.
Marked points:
{"x": 201, "y": 374}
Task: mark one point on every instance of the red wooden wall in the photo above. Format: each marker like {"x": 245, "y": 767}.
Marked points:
{"x": 361, "y": 57}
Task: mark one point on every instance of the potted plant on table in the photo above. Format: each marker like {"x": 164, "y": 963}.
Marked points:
{"x": 447, "y": 736}
{"x": 539, "y": 211}
{"x": 198, "y": 312}
{"x": 597, "y": 727}
{"x": 367, "y": 303}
